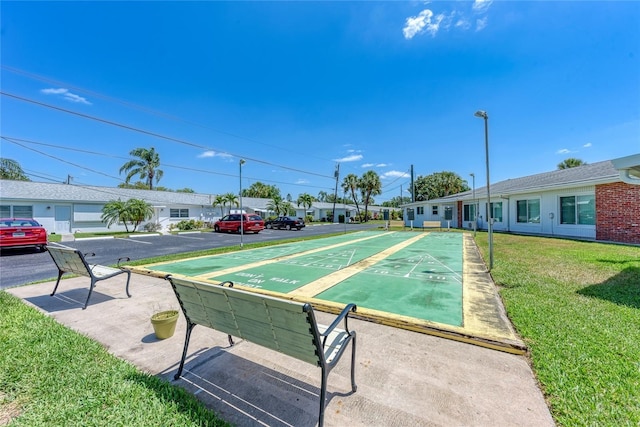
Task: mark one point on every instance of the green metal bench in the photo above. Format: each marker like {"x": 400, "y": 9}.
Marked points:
{"x": 69, "y": 260}
{"x": 282, "y": 325}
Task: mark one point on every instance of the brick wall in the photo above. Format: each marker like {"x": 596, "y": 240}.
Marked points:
{"x": 618, "y": 212}
{"x": 460, "y": 213}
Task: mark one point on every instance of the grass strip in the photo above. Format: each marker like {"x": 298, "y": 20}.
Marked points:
{"x": 51, "y": 375}
{"x": 577, "y": 306}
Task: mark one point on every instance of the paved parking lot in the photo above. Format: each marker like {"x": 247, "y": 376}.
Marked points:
{"x": 20, "y": 266}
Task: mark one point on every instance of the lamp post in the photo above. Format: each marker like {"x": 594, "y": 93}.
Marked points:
{"x": 483, "y": 115}
{"x": 475, "y": 208}
{"x": 241, "y": 212}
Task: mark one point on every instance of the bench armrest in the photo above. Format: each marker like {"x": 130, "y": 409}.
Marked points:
{"x": 86, "y": 254}
{"x": 126, "y": 258}
{"x": 343, "y": 315}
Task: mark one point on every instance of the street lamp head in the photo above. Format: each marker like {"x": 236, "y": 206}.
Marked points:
{"x": 472, "y": 174}
{"x": 481, "y": 114}
{"x": 242, "y": 162}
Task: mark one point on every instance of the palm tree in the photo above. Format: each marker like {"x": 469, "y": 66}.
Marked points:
{"x": 570, "y": 163}
{"x": 219, "y": 201}
{"x": 306, "y": 200}
{"x": 230, "y": 198}
{"x": 10, "y": 169}
{"x": 138, "y": 211}
{"x": 350, "y": 183}
{"x": 146, "y": 166}
{"x": 276, "y": 205}
{"x": 115, "y": 211}
{"x": 369, "y": 185}
{"x": 322, "y": 196}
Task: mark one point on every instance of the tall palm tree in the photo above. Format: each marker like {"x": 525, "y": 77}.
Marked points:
{"x": 146, "y": 166}
{"x": 350, "y": 184}
{"x": 570, "y": 163}
{"x": 369, "y": 185}
{"x": 230, "y": 198}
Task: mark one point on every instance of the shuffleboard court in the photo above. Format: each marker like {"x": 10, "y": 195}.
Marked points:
{"x": 413, "y": 280}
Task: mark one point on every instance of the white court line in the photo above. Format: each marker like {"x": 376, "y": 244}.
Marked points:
{"x": 415, "y": 266}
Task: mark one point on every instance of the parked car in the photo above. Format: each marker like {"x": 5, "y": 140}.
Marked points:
{"x": 231, "y": 223}
{"x": 22, "y": 232}
{"x": 287, "y": 222}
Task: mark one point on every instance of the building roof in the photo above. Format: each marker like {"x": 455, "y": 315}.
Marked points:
{"x": 589, "y": 174}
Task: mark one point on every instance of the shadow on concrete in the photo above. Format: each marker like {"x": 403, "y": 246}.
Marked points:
{"x": 68, "y": 300}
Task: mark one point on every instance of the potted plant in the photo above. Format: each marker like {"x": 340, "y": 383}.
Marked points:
{"x": 164, "y": 323}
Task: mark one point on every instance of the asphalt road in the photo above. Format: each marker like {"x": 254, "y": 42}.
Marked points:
{"x": 22, "y": 266}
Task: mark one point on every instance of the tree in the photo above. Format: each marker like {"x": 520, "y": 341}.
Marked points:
{"x": 439, "y": 184}
{"x": 220, "y": 200}
{"x": 369, "y": 185}
{"x": 230, "y": 198}
{"x": 277, "y": 205}
{"x": 322, "y": 196}
{"x": 351, "y": 184}
{"x": 132, "y": 212}
{"x": 185, "y": 190}
{"x": 396, "y": 202}
{"x": 260, "y": 190}
{"x": 570, "y": 163}
{"x": 10, "y": 169}
{"x": 306, "y": 200}
{"x": 146, "y": 166}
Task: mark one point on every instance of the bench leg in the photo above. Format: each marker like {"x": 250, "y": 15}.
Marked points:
{"x": 354, "y": 387}
{"x": 93, "y": 284}
{"x": 128, "y": 279}
{"x": 60, "y": 273}
{"x": 323, "y": 395}
{"x": 184, "y": 350}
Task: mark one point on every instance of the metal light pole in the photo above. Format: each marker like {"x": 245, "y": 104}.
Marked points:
{"x": 241, "y": 212}
{"x": 475, "y": 208}
{"x": 485, "y": 116}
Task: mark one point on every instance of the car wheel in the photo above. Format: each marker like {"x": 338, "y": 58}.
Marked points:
{"x": 288, "y": 226}
{"x": 216, "y": 229}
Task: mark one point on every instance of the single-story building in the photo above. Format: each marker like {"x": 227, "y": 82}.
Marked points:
{"x": 598, "y": 201}
{"x": 71, "y": 208}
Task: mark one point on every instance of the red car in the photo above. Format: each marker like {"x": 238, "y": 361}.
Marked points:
{"x": 21, "y": 232}
{"x": 231, "y": 223}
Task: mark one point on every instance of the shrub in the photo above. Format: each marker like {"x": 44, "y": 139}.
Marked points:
{"x": 188, "y": 224}
{"x": 152, "y": 226}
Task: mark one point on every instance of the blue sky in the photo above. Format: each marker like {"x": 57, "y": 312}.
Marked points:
{"x": 296, "y": 87}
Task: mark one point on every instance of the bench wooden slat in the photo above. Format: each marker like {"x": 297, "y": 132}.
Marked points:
{"x": 69, "y": 260}
{"x": 288, "y": 327}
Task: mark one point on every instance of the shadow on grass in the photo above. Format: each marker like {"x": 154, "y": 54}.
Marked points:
{"x": 621, "y": 289}
{"x": 184, "y": 401}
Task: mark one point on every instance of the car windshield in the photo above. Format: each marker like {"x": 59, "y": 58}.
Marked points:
{"x": 19, "y": 223}
{"x": 255, "y": 218}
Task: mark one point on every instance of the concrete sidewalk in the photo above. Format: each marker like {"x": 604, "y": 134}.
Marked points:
{"x": 404, "y": 378}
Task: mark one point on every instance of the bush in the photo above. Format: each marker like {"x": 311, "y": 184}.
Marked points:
{"x": 308, "y": 218}
{"x": 190, "y": 224}
{"x": 152, "y": 226}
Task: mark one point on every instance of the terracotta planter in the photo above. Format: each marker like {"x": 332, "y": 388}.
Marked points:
{"x": 164, "y": 323}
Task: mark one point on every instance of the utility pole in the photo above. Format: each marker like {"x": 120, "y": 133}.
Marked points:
{"x": 335, "y": 194}
{"x": 413, "y": 190}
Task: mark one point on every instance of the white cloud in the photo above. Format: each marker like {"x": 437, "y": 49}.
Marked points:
{"x": 71, "y": 97}
{"x": 367, "y": 165}
{"x": 463, "y": 24}
{"x": 302, "y": 181}
{"x": 563, "y": 151}
{"x": 211, "y": 153}
{"x": 395, "y": 174}
{"x": 481, "y": 6}
{"x": 587, "y": 145}
{"x": 424, "y": 22}
{"x": 481, "y": 24}
{"x": 351, "y": 158}
{"x": 372, "y": 165}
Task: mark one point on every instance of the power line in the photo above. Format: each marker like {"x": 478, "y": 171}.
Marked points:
{"x": 156, "y": 135}
{"x": 140, "y": 107}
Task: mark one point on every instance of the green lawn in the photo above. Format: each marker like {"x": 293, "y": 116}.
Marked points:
{"x": 53, "y": 376}
{"x": 577, "y": 306}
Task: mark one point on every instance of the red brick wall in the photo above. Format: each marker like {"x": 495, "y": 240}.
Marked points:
{"x": 460, "y": 213}
{"x": 618, "y": 212}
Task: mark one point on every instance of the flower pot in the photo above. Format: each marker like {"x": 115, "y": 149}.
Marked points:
{"x": 164, "y": 323}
